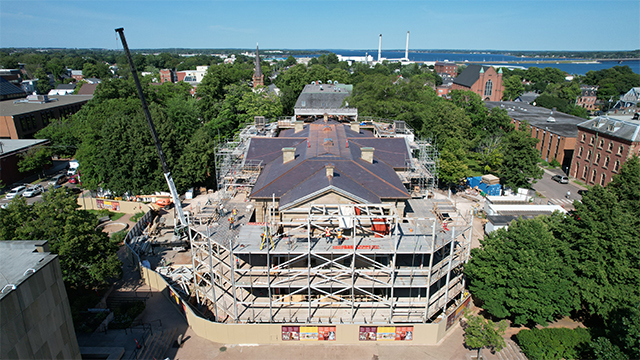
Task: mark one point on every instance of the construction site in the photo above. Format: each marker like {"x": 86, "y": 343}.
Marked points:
{"x": 315, "y": 253}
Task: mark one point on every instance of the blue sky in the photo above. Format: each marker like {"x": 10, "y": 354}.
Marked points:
{"x": 324, "y": 24}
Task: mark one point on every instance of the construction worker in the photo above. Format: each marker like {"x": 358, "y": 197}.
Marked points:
{"x": 221, "y": 210}
{"x": 327, "y": 233}
{"x": 230, "y": 222}
{"x": 339, "y": 236}
{"x": 234, "y": 212}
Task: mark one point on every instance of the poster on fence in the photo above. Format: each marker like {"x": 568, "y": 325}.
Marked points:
{"x": 290, "y": 333}
{"x": 386, "y": 333}
{"x": 178, "y": 301}
{"x": 107, "y": 204}
{"x": 309, "y": 333}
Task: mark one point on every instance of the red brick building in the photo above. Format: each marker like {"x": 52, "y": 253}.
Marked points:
{"x": 446, "y": 67}
{"x": 603, "y": 145}
{"x": 587, "y": 98}
{"x": 167, "y": 75}
{"x": 483, "y": 80}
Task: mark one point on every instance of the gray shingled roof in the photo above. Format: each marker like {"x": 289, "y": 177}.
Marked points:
{"x": 319, "y": 146}
{"x": 470, "y": 75}
{"x": 612, "y": 127}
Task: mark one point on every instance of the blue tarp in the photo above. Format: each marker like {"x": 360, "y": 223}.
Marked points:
{"x": 476, "y": 181}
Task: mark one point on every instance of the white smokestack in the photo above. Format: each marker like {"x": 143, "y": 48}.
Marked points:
{"x": 380, "y": 48}
{"x": 406, "y": 51}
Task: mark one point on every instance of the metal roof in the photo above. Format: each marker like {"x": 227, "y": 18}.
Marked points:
{"x": 19, "y": 260}
{"x": 9, "y": 108}
{"x": 321, "y": 145}
{"x": 556, "y": 122}
{"x": 613, "y": 127}
{"x": 10, "y": 146}
{"x": 324, "y": 96}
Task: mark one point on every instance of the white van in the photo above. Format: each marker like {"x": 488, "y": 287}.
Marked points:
{"x": 73, "y": 167}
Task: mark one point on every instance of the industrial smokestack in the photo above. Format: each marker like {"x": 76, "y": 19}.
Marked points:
{"x": 380, "y": 48}
{"x": 406, "y": 51}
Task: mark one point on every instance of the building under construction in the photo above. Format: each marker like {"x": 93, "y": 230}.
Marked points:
{"x": 327, "y": 221}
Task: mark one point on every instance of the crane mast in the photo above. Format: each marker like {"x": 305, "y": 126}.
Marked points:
{"x": 154, "y": 134}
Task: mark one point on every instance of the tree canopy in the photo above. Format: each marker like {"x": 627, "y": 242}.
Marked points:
{"x": 87, "y": 256}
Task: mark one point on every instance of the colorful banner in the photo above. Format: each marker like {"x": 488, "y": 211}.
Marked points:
{"x": 107, "y": 204}
{"x": 309, "y": 333}
{"x": 386, "y": 333}
{"x": 290, "y": 333}
{"x": 176, "y": 298}
{"x": 451, "y": 319}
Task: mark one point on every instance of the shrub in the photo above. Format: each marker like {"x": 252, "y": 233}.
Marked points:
{"x": 554, "y": 343}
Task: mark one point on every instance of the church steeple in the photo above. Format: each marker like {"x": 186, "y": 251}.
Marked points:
{"x": 258, "y": 77}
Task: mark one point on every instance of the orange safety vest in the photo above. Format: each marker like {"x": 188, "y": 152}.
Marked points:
{"x": 327, "y": 233}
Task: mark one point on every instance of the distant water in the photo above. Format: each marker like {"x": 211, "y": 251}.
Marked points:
{"x": 579, "y": 69}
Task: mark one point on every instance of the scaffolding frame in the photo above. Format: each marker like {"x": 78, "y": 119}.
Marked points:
{"x": 305, "y": 284}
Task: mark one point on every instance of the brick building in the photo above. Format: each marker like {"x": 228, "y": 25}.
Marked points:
{"x": 587, "y": 98}
{"x": 483, "y": 80}
{"x": 446, "y": 67}
{"x": 603, "y": 145}
{"x": 556, "y": 131}
{"x": 21, "y": 119}
{"x": 258, "y": 77}
{"x": 167, "y": 75}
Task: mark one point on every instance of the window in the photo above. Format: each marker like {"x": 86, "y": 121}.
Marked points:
{"x": 488, "y": 88}
{"x": 580, "y": 151}
{"x": 616, "y": 166}
{"x": 591, "y": 140}
{"x": 589, "y": 155}
{"x": 602, "y": 178}
{"x": 610, "y": 147}
{"x": 597, "y": 158}
{"x": 601, "y": 143}
{"x": 575, "y": 172}
{"x": 584, "y": 172}
{"x": 583, "y": 137}
{"x": 593, "y": 176}
{"x": 606, "y": 162}
{"x": 620, "y": 150}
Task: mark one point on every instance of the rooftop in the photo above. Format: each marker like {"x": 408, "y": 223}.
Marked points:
{"x": 470, "y": 75}
{"x": 627, "y": 130}
{"x": 18, "y": 258}
{"x": 9, "y": 108}
{"x": 556, "y": 122}
{"x": 8, "y": 146}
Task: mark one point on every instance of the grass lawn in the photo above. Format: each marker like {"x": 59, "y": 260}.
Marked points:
{"x": 112, "y": 215}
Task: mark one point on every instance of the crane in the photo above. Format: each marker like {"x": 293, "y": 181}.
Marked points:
{"x": 154, "y": 134}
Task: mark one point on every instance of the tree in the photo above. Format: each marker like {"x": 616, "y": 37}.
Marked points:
{"x": 513, "y": 87}
{"x": 520, "y": 164}
{"x": 554, "y": 343}
{"x": 34, "y": 160}
{"x": 480, "y": 333}
{"x": 42, "y": 86}
{"x": 87, "y": 256}
{"x": 521, "y": 273}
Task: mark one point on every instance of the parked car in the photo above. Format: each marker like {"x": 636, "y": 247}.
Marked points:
{"x": 58, "y": 180}
{"x": 33, "y": 191}
{"x": 582, "y": 192}
{"x": 74, "y": 179}
{"x": 15, "y": 192}
{"x": 560, "y": 178}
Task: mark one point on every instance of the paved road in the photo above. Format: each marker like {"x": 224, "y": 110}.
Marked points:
{"x": 555, "y": 192}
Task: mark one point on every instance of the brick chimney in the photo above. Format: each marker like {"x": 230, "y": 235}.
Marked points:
{"x": 288, "y": 154}
{"x": 329, "y": 169}
{"x": 299, "y": 125}
{"x": 367, "y": 154}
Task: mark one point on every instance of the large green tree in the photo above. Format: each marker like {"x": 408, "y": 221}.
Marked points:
{"x": 480, "y": 333}
{"x": 520, "y": 163}
{"x": 521, "y": 273}
{"x": 34, "y": 160}
{"x": 87, "y": 256}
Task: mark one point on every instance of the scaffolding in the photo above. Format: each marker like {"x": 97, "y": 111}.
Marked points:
{"x": 385, "y": 268}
